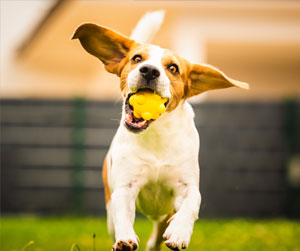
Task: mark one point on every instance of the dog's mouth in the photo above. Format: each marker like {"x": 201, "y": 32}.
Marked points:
{"x": 132, "y": 123}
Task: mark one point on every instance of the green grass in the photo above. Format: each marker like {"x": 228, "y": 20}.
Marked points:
{"x": 57, "y": 234}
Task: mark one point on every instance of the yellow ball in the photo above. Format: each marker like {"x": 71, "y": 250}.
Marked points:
{"x": 141, "y": 99}
{"x": 146, "y": 115}
{"x": 147, "y": 105}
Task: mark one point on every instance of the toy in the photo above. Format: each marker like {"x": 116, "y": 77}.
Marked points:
{"x": 147, "y": 105}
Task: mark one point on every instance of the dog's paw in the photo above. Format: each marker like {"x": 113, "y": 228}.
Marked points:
{"x": 126, "y": 245}
{"x": 178, "y": 234}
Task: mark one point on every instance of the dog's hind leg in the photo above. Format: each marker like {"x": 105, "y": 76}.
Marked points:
{"x": 156, "y": 238}
{"x": 110, "y": 224}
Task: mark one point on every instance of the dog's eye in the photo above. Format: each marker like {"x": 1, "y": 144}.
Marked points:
{"x": 173, "y": 68}
{"x": 137, "y": 58}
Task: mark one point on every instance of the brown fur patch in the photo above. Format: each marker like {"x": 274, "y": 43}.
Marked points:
{"x": 107, "y": 45}
{"x": 203, "y": 78}
{"x": 105, "y": 181}
{"x": 177, "y": 81}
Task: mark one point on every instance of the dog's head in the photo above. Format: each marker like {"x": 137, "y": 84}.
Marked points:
{"x": 146, "y": 66}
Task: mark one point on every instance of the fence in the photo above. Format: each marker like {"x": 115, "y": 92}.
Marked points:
{"x": 52, "y": 151}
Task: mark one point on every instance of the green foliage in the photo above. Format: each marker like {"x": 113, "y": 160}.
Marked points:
{"x": 90, "y": 234}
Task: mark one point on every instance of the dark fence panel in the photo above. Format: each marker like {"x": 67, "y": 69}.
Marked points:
{"x": 243, "y": 157}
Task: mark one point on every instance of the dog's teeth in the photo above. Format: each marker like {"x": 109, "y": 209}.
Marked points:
{"x": 143, "y": 123}
{"x": 128, "y": 117}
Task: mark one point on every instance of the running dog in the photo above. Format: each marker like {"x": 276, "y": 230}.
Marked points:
{"x": 152, "y": 165}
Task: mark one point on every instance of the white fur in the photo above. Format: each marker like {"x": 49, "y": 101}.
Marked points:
{"x": 155, "y": 59}
{"x": 148, "y": 26}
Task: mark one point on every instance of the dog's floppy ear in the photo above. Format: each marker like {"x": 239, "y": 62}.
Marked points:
{"x": 107, "y": 45}
{"x": 202, "y": 78}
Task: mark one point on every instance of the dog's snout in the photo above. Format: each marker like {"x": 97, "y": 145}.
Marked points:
{"x": 149, "y": 72}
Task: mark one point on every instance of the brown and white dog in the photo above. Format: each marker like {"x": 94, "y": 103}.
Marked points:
{"x": 152, "y": 165}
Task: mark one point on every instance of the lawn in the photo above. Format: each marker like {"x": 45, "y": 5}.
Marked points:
{"x": 57, "y": 234}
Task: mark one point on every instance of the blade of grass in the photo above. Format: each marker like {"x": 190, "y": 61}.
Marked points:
{"x": 75, "y": 246}
{"x": 94, "y": 242}
{"x": 29, "y": 244}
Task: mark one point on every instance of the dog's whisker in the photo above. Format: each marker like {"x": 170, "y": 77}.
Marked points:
{"x": 177, "y": 82}
{"x": 174, "y": 92}
{"x": 118, "y": 120}
{"x": 118, "y": 99}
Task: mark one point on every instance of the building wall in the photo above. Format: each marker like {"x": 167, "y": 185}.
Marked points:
{"x": 253, "y": 41}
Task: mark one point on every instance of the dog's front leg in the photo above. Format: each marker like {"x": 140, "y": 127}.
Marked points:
{"x": 123, "y": 214}
{"x": 178, "y": 234}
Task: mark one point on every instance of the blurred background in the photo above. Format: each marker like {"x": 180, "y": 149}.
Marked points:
{"x": 60, "y": 108}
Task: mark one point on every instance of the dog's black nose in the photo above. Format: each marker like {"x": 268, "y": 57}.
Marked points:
{"x": 149, "y": 72}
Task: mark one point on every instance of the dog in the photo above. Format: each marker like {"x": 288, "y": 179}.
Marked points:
{"x": 152, "y": 165}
